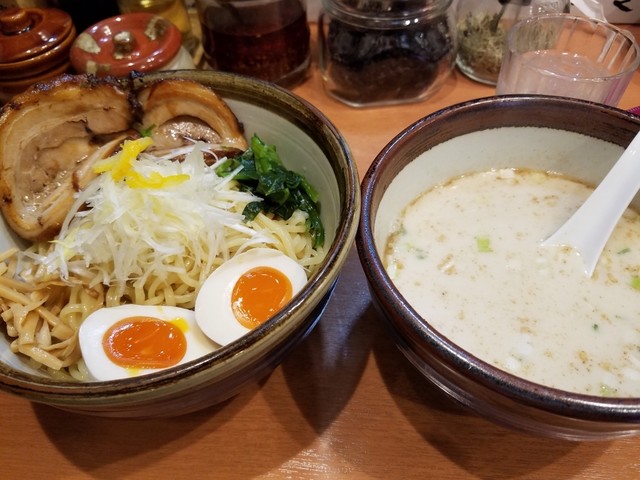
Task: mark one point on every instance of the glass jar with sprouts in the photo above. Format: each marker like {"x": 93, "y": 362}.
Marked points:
{"x": 482, "y": 27}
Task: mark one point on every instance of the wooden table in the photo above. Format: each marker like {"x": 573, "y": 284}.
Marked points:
{"x": 344, "y": 404}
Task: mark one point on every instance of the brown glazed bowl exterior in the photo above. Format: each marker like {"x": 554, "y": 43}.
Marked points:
{"x": 322, "y": 154}
{"x": 490, "y": 392}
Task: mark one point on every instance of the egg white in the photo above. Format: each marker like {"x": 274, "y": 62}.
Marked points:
{"x": 213, "y": 309}
{"x": 94, "y": 327}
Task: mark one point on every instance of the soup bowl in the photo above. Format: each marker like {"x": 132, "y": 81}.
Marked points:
{"x": 307, "y": 143}
{"x": 574, "y": 138}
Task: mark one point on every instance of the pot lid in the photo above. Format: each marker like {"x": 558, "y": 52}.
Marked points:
{"x": 26, "y": 33}
{"x": 119, "y": 45}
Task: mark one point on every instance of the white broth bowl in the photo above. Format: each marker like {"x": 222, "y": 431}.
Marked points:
{"x": 578, "y": 139}
{"x": 309, "y": 144}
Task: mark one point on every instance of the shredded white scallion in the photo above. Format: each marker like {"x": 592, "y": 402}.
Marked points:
{"x": 128, "y": 234}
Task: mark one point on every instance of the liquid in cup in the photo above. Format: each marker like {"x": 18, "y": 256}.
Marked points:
{"x": 568, "y": 56}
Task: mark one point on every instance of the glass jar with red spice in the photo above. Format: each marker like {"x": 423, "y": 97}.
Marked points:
{"x": 266, "y": 39}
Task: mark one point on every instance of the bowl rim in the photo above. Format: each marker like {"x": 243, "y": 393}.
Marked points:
{"x": 531, "y": 394}
{"x": 314, "y": 123}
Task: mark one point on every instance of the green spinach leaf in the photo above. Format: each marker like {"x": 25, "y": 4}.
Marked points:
{"x": 283, "y": 191}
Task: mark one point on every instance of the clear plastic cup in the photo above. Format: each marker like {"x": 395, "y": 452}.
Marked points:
{"x": 568, "y": 56}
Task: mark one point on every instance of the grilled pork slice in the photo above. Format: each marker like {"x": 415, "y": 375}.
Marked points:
{"x": 177, "y": 111}
{"x": 50, "y": 136}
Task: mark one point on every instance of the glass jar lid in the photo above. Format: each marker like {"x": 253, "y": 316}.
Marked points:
{"x": 385, "y": 13}
{"x": 138, "y": 41}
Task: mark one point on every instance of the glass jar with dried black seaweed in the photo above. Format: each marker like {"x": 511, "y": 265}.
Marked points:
{"x": 382, "y": 52}
{"x": 482, "y": 27}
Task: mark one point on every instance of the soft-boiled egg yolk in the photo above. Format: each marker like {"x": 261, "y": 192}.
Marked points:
{"x": 132, "y": 340}
{"x": 245, "y": 291}
{"x": 259, "y": 294}
{"x": 144, "y": 342}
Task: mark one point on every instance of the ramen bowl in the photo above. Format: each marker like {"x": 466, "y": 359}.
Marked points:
{"x": 537, "y": 133}
{"x": 300, "y": 132}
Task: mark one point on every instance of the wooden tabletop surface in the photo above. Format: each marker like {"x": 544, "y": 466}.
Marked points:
{"x": 345, "y": 404}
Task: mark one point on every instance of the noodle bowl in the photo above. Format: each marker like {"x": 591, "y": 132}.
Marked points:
{"x": 307, "y": 142}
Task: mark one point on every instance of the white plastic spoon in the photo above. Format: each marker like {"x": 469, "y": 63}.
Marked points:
{"x": 589, "y": 228}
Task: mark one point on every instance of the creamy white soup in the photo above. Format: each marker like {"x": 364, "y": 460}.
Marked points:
{"x": 467, "y": 256}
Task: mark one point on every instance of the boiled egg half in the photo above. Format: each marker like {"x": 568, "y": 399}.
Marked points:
{"x": 245, "y": 291}
{"x": 132, "y": 340}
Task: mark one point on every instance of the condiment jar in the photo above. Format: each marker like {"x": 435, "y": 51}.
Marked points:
{"x": 34, "y": 46}
{"x": 265, "y": 39}
{"x": 383, "y": 52}
{"x": 482, "y": 27}
{"x": 173, "y": 10}
{"x": 141, "y": 42}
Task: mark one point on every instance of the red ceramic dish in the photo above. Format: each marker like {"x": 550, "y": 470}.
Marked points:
{"x": 119, "y": 45}
{"x": 34, "y": 46}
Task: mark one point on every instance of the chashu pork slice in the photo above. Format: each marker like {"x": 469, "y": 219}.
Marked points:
{"x": 50, "y": 136}
{"x": 178, "y": 111}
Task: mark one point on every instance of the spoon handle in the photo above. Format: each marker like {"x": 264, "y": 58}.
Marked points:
{"x": 589, "y": 228}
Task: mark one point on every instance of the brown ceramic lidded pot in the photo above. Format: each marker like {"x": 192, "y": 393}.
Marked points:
{"x": 139, "y": 41}
{"x": 34, "y": 46}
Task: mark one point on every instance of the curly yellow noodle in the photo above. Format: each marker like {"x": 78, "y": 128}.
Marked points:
{"x": 12, "y": 295}
{"x": 138, "y": 296}
{"x": 41, "y": 357}
{"x": 191, "y": 275}
{"x": 278, "y": 232}
{"x": 78, "y": 370}
{"x": 181, "y": 289}
{"x": 62, "y": 331}
{"x": 292, "y": 238}
{"x": 77, "y": 307}
{"x": 169, "y": 297}
{"x": 27, "y": 326}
